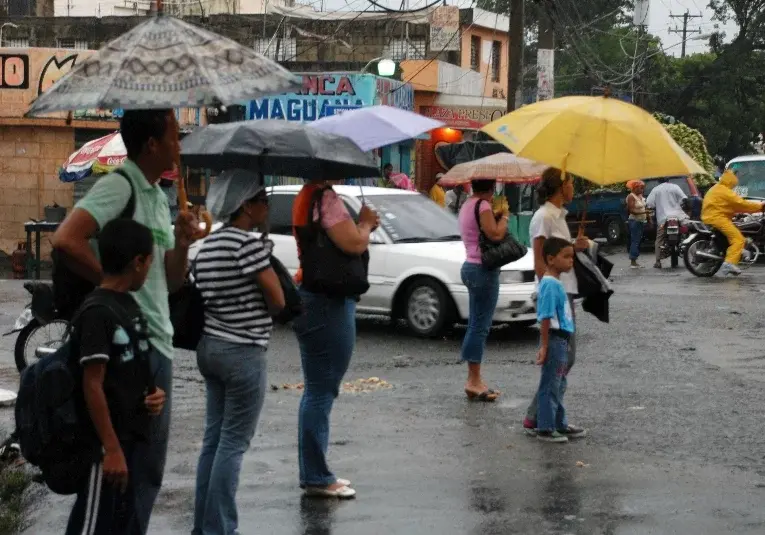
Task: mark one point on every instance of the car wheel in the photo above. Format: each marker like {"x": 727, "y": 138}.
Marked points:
{"x": 614, "y": 231}
{"x": 427, "y": 307}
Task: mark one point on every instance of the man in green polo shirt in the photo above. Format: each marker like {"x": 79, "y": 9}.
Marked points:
{"x": 151, "y": 139}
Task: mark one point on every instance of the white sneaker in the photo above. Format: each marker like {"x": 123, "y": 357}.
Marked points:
{"x": 343, "y": 493}
{"x": 730, "y": 269}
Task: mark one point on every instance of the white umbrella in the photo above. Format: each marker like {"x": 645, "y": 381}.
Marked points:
{"x": 377, "y": 126}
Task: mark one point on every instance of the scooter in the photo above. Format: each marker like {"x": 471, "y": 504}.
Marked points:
{"x": 41, "y": 330}
{"x": 705, "y": 247}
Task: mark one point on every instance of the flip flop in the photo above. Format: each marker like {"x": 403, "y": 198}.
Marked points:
{"x": 487, "y": 396}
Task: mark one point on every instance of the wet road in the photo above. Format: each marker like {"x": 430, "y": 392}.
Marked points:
{"x": 671, "y": 392}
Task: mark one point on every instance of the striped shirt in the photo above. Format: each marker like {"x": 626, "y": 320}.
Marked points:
{"x": 224, "y": 270}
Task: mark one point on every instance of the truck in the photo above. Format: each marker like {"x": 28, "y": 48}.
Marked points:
{"x": 606, "y": 211}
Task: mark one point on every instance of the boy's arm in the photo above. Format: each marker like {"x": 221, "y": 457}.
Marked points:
{"x": 98, "y": 408}
{"x": 544, "y": 340}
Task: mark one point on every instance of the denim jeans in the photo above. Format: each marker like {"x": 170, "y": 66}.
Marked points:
{"x": 326, "y": 332}
{"x": 636, "y": 236}
{"x": 551, "y": 414}
{"x": 483, "y": 292}
{"x": 531, "y": 412}
{"x": 148, "y": 473}
{"x": 235, "y": 376}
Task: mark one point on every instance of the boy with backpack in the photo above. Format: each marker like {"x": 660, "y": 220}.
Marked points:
{"x": 117, "y": 385}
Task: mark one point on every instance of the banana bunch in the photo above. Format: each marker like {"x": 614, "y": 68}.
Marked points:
{"x": 500, "y": 205}
{"x": 693, "y": 142}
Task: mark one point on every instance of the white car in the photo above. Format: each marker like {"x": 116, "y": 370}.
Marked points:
{"x": 415, "y": 260}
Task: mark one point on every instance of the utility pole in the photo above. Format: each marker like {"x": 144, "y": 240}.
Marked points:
{"x": 685, "y": 31}
{"x": 515, "y": 58}
{"x": 546, "y": 54}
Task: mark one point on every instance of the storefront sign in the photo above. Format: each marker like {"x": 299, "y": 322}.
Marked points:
{"x": 27, "y": 73}
{"x": 471, "y": 118}
{"x": 395, "y": 94}
{"x": 321, "y": 95}
{"x": 444, "y": 28}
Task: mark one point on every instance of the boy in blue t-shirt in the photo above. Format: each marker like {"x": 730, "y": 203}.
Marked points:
{"x": 556, "y": 325}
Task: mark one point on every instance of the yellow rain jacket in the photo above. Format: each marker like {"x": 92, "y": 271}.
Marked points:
{"x": 721, "y": 203}
{"x": 438, "y": 195}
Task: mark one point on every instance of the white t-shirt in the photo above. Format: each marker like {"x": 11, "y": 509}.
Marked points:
{"x": 550, "y": 221}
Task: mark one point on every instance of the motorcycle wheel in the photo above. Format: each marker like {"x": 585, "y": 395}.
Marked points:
{"x": 707, "y": 268}
{"x": 34, "y": 335}
{"x": 674, "y": 257}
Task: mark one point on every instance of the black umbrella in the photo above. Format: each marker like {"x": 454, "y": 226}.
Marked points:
{"x": 455, "y": 153}
{"x": 277, "y": 148}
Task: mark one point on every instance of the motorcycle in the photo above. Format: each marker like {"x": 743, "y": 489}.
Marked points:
{"x": 41, "y": 329}
{"x": 705, "y": 247}
{"x": 674, "y": 235}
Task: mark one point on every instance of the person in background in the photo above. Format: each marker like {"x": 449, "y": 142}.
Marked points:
{"x": 550, "y": 221}
{"x": 721, "y": 203}
{"x": 482, "y": 284}
{"x": 437, "y": 193}
{"x": 397, "y": 180}
{"x": 116, "y": 383}
{"x": 556, "y": 326}
{"x": 455, "y": 198}
{"x": 667, "y": 201}
{"x": 326, "y": 333}
{"x": 151, "y": 140}
{"x": 638, "y": 215}
{"x": 241, "y": 292}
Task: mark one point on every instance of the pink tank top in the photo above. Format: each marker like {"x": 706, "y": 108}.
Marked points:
{"x": 469, "y": 228}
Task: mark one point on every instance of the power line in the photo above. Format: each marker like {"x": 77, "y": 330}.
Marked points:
{"x": 685, "y": 31}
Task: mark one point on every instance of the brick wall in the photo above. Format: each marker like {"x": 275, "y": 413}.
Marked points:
{"x": 29, "y": 161}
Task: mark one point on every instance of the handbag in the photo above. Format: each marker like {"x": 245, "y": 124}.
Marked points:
{"x": 327, "y": 269}
{"x": 293, "y": 304}
{"x": 187, "y": 314}
{"x": 495, "y": 254}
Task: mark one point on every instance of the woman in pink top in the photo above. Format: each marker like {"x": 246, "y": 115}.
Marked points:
{"x": 475, "y": 217}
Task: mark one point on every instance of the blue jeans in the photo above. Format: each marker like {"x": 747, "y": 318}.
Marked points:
{"x": 531, "y": 412}
{"x": 235, "y": 376}
{"x": 326, "y": 332}
{"x": 636, "y": 236}
{"x": 148, "y": 473}
{"x": 483, "y": 291}
{"x": 551, "y": 414}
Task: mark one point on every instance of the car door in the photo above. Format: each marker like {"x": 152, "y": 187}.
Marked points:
{"x": 280, "y": 228}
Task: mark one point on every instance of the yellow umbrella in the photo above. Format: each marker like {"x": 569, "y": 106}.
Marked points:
{"x": 602, "y": 139}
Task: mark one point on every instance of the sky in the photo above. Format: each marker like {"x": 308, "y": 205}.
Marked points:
{"x": 659, "y": 22}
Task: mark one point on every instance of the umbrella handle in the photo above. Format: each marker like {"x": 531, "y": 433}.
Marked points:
{"x": 183, "y": 206}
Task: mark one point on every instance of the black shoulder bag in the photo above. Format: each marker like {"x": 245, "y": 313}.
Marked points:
{"x": 187, "y": 313}
{"x": 495, "y": 254}
{"x": 69, "y": 288}
{"x": 327, "y": 269}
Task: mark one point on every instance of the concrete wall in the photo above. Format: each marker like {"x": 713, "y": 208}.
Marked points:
{"x": 29, "y": 161}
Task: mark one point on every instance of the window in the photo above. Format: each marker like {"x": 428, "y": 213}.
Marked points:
{"x": 414, "y": 219}
{"x": 281, "y": 49}
{"x": 475, "y": 53}
{"x": 751, "y": 178}
{"x": 72, "y": 44}
{"x": 280, "y": 213}
{"x": 400, "y": 49}
{"x": 16, "y": 43}
{"x": 679, "y": 181}
{"x": 496, "y": 59}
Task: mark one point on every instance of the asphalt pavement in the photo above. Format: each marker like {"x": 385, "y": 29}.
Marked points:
{"x": 670, "y": 390}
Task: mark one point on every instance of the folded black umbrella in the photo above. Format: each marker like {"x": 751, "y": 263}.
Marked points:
{"x": 277, "y": 148}
{"x": 452, "y": 154}
{"x": 593, "y": 284}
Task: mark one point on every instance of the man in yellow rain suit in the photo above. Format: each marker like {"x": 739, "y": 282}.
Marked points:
{"x": 721, "y": 203}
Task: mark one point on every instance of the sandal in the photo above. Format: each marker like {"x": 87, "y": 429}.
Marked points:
{"x": 487, "y": 396}
{"x": 342, "y": 493}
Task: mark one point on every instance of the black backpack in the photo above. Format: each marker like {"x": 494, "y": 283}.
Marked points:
{"x": 53, "y": 428}
{"x": 69, "y": 288}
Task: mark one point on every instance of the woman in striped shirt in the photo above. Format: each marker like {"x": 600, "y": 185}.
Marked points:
{"x": 240, "y": 292}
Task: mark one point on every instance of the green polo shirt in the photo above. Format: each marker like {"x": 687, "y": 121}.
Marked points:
{"x": 105, "y": 201}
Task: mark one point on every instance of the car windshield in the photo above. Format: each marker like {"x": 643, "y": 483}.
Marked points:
{"x": 414, "y": 218}
{"x": 751, "y": 178}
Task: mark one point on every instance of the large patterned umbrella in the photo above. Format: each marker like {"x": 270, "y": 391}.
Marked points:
{"x": 166, "y": 63}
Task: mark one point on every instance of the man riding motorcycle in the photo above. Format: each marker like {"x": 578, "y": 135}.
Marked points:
{"x": 667, "y": 201}
{"x": 721, "y": 203}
